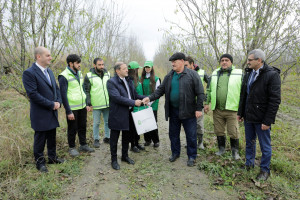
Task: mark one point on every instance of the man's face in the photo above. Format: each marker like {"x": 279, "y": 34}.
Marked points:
{"x": 99, "y": 65}
{"x": 75, "y": 66}
{"x": 225, "y": 63}
{"x": 44, "y": 59}
{"x": 177, "y": 65}
{"x": 148, "y": 69}
{"x": 123, "y": 71}
{"x": 253, "y": 63}
{"x": 188, "y": 65}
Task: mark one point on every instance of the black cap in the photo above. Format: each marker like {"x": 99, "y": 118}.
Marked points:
{"x": 177, "y": 56}
{"x": 226, "y": 56}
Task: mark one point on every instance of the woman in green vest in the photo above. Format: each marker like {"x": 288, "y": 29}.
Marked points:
{"x": 150, "y": 82}
{"x": 133, "y": 68}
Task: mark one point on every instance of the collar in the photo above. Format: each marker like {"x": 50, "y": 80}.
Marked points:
{"x": 148, "y": 75}
{"x": 72, "y": 70}
{"x": 41, "y": 68}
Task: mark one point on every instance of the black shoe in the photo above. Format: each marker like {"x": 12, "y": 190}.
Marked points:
{"x": 140, "y": 147}
{"x": 106, "y": 140}
{"x": 156, "y": 144}
{"x": 96, "y": 143}
{"x": 128, "y": 160}
{"x": 42, "y": 168}
{"x": 247, "y": 167}
{"x": 56, "y": 161}
{"x": 135, "y": 149}
{"x": 173, "y": 157}
{"x": 115, "y": 165}
{"x": 147, "y": 143}
{"x": 191, "y": 162}
{"x": 263, "y": 176}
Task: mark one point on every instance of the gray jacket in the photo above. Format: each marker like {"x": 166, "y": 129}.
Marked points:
{"x": 190, "y": 87}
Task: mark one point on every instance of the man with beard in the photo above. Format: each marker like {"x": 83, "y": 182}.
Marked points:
{"x": 73, "y": 98}
{"x": 97, "y": 98}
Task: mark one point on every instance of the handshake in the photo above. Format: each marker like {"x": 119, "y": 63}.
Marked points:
{"x": 145, "y": 101}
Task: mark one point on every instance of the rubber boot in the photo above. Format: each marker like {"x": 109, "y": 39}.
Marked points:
{"x": 221, "y": 145}
{"x": 235, "y": 148}
{"x": 200, "y": 142}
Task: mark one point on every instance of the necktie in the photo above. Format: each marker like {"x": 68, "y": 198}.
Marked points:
{"x": 47, "y": 76}
{"x": 251, "y": 81}
{"x": 127, "y": 88}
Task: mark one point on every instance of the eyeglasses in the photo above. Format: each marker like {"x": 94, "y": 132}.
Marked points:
{"x": 252, "y": 59}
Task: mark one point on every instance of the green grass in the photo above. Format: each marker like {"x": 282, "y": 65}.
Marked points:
{"x": 19, "y": 179}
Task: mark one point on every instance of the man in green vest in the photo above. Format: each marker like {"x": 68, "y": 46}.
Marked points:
{"x": 97, "y": 98}
{"x": 73, "y": 98}
{"x": 224, "y": 95}
{"x": 189, "y": 63}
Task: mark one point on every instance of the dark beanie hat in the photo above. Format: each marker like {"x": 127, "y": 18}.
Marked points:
{"x": 226, "y": 56}
{"x": 177, "y": 56}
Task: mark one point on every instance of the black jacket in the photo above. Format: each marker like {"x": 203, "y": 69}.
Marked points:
{"x": 190, "y": 87}
{"x": 262, "y": 102}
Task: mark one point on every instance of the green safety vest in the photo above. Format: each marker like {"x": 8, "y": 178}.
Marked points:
{"x": 234, "y": 89}
{"x": 147, "y": 91}
{"x": 75, "y": 93}
{"x": 201, "y": 74}
{"x": 98, "y": 92}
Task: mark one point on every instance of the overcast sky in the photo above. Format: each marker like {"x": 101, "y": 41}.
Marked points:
{"x": 145, "y": 18}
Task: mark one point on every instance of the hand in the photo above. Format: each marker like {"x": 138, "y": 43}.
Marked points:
{"x": 71, "y": 116}
{"x": 137, "y": 102}
{"x": 239, "y": 118}
{"x": 146, "y": 100}
{"x": 198, "y": 114}
{"x": 264, "y": 127}
{"x": 89, "y": 108}
{"x": 56, "y": 106}
{"x": 206, "y": 108}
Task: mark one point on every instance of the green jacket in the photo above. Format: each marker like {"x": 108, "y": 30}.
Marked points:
{"x": 147, "y": 91}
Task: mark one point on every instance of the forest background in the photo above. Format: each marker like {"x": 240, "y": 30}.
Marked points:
{"x": 207, "y": 29}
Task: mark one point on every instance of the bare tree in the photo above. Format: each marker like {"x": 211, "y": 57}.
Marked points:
{"x": 214, "y": 27}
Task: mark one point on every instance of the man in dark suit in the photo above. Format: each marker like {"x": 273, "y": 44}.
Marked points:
{"x": 45, "y": 100}
{"x": 122, "y": 99}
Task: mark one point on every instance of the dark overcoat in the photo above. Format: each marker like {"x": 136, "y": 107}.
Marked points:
{"x": 119, "y": 102}
{"x": 42, "y": 96}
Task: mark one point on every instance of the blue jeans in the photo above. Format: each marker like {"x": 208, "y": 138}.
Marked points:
{"x": 264, "y": 137}
{"x": 190, "y": 128}
{"x": 96, "y": 122}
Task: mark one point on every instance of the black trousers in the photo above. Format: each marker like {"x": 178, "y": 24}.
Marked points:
{"x": 40, "y": 139}
{"x": 77, "y": 125}
{"x": 152, "y": 135}
{"x": 114, "y": 137}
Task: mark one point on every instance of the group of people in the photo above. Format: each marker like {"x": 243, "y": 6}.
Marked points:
{"x": 253, "y": 96}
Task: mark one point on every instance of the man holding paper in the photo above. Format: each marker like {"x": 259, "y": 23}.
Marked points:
{"x": 184, "y": 95}
{"x": 122, "y": 99}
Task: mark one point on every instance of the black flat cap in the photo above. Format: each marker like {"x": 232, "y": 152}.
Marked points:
{"x": 177, "y": 56}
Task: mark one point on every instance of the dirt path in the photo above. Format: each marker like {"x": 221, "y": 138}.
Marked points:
{"x": 152, "y": 176}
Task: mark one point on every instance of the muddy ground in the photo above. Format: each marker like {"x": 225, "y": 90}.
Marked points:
{"x": 152, "y": 176}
